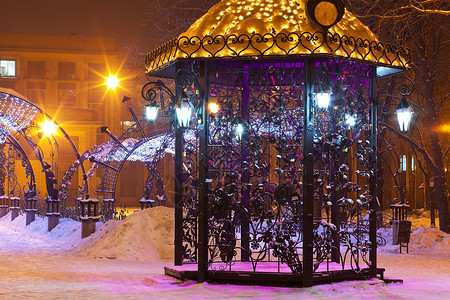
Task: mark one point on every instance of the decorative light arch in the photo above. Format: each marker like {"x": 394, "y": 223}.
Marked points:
{"x": 16, "y": 114}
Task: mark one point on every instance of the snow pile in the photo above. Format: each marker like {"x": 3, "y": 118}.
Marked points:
{"x": 430, "y": 239}
{"x": 145, "y": 235}
{"x": 424, "y": 238}
{"x": 36, "y": 236}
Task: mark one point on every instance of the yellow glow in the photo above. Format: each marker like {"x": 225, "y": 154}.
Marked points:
{"x": 112, "y": 81}
{"x": 445, "y": 128}
{"x": 48, "y": 128}
{"x": 213, "y": 107}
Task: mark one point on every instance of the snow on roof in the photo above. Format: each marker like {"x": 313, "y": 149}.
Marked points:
{"x": 252, "y": 28}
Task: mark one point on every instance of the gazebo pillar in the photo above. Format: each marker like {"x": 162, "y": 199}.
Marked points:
{"x": 245, "y": 228}
{"x": 203, "y": 175}
{"x": 179, "y": 183}
{"x": 308, "y": 175}
{"x": 373, "y": 177}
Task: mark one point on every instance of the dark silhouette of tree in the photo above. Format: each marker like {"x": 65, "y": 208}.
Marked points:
{"x": 169, "y": 19}
{"x": 423, "y": 27}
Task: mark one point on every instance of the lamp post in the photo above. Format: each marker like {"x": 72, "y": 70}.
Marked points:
{"x": 183, "y": 111}
{"x": 151, "y": 111}
{"x": 404, "y": 115}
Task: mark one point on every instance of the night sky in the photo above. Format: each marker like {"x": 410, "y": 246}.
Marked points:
{"x": 122, "y": 19}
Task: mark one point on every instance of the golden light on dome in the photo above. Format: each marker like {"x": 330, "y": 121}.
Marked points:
{"x": 269, "y": 18}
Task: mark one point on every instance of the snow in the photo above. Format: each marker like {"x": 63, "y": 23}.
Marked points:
{"x": 142, "y": 236}
{"x": 125, "y": 260}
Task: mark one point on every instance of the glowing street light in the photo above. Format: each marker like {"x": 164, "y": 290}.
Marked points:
{"x": 112, "y": 82}
{"x": 404, "y": 115}
{"x": 183, "y": 111}
{"x": 151, "y": 111}
{"x": 48, "y": 128}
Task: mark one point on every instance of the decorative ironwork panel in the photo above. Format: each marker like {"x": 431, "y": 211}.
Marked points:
{"x": 256, "y": 180}
{"x": 277, "y": 45}
{"x": 342, "y": 169}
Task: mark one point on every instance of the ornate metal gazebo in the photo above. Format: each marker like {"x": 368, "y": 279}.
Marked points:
{"x": 278, "y": 185}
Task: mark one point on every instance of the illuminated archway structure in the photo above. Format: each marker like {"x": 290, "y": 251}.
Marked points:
{"x": 11, "y": 190}
{"x": 292, "y": 198}
{"x": 16, "y": 116}
{"x": 141, "y": 142}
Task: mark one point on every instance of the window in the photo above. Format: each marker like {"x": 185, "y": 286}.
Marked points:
{"x": 402, "y": 163}
{"x": 96, "y": 101}
{"x": 36, "y": 69}
{"x": 66, "y": 70}
{"x": 8, "y": 68}
{"x": 413, "y": 164}
{"x": 67, "y": 93}
{"x": 36, "y": 91}
{"x": 96, "y": 71}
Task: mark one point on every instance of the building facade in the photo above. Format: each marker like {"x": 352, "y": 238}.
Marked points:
{"x": 64, "y": 75}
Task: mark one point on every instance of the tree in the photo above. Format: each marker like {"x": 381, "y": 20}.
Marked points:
{"x": 171, "y": 18}
{"x": 423, "y": 27}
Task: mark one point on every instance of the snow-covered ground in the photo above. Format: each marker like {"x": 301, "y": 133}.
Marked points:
{"x": 125, "y": 260}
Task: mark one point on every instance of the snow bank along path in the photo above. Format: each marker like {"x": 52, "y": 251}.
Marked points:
{"x": 145, "y": 235}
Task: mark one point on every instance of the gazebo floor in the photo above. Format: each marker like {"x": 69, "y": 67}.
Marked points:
{"x": 270, "y": 273}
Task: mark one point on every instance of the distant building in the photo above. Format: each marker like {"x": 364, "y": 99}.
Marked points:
{"x": 64, "y": 75}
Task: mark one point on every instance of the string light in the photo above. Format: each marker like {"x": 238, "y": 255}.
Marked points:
{"x": 15, "y": 113}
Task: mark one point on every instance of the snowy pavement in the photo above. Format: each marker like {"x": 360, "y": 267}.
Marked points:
{"x": 36, "y": 264}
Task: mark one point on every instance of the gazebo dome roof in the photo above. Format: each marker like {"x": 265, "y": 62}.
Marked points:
{"x": 237, "y": 17}
{"x": 255, "y": 28}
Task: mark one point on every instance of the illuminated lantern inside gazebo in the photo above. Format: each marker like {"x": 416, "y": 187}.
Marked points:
{"x": 287, "y": 203}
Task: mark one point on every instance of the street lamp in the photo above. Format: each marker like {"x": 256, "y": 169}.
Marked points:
{"x": 112, "y": 82}
{"x": 48, "y": 128}
{"x": 183, "y": 111}
{"x": 404, "y": 115}
{"x": 151, "y": 111}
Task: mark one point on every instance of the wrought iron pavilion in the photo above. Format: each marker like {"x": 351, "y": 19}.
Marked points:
{"x": 292, "y": 197}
